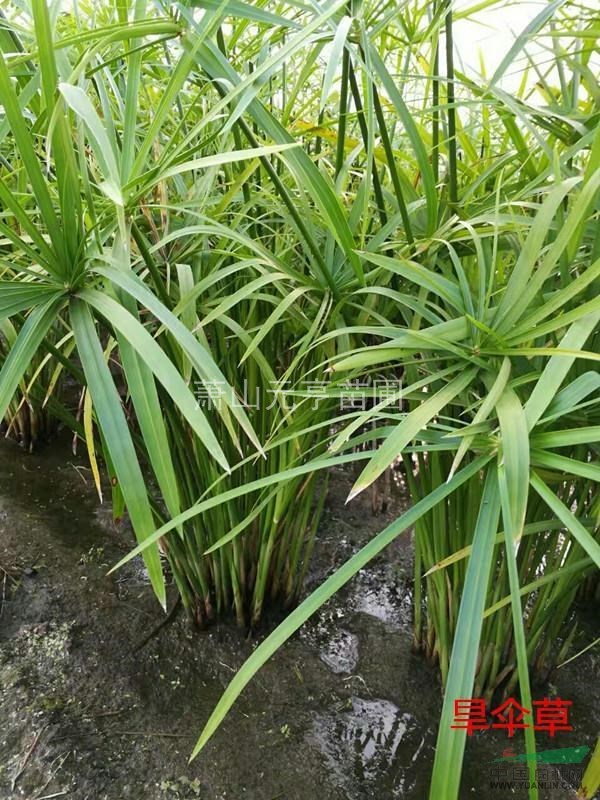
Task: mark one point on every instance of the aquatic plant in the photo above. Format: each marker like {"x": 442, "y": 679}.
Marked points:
{"x": 219, "y": 219}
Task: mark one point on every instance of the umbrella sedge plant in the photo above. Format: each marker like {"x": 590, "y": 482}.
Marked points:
{"x": 534, "y": 375}
{"x": 501, "y": 459}
{"x": 218, "y": 216}
{"x": 77, "y": 217}
{"x": 181, "y": 306}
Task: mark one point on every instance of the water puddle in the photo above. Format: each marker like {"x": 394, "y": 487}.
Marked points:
{"x": 340, "y": 653}
{"x": 382, "y": 595}
{"x": 371, "y": 744}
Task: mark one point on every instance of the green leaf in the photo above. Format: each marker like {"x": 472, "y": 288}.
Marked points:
{"x": 515, "y": 461}
{"x": 421, "y": 277}
{"x": 16, "y": 296}
{"x": 570, "y": 397}
{"x": 149, "y": 414}
{"x": 557, "y": 368}
{"x": 523, "y": 39}
{"x": 31, "y": 335}
{"x": 229, "y": 157}
{"x": 408, "y": 429}
{"x": 239, "y": 10}
{"x": 527, "y": 327}
{"x": 566, "y": 466}
{"x": 62, "y": 147}
{"x": 533, "y": 527}
{"x": 334, "y": 56}
{"x": 26, "y": 148}
{"x": 512, "y": 537}
{"x": 484, "y": 411}
{"x": 450, "y": 745}
{"x": 45, "y": 253}
{"x": 443, "y": 336}
{"x": 567, "y": 437}
{"x": 591, "y": 777}
{"x": 198, "y": 355}
{"x": 156, "y": 360}
{"x": 104, "y": 149}
{"x": 416, "y": 140}
{"x": 272, "y": 320}
{"x": 508, "y": 310}
{"x": 569, "y": 520}
{"x": 115, "y": 431}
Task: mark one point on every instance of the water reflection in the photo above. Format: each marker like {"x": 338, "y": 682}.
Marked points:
{"x": 374, "y": 743}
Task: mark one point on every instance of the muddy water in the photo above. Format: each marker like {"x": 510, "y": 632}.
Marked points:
{"x": 345, "y": 710}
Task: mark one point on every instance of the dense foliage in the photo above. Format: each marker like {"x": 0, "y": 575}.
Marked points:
{"x": 220, "y": 220}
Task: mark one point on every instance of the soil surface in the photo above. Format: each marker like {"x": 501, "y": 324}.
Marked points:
{"x": 344, "y": 711}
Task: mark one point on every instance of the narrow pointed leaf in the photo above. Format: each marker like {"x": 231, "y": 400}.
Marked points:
{"x": 115, "y": 431}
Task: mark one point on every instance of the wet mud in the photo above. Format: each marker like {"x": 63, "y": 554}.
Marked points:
{"x": 345, "y": 710}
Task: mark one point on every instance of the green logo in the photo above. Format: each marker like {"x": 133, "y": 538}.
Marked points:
{"x": 564, "y": 755}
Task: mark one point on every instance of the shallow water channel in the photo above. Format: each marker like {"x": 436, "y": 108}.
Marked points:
{"x": 345, "y": 711}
